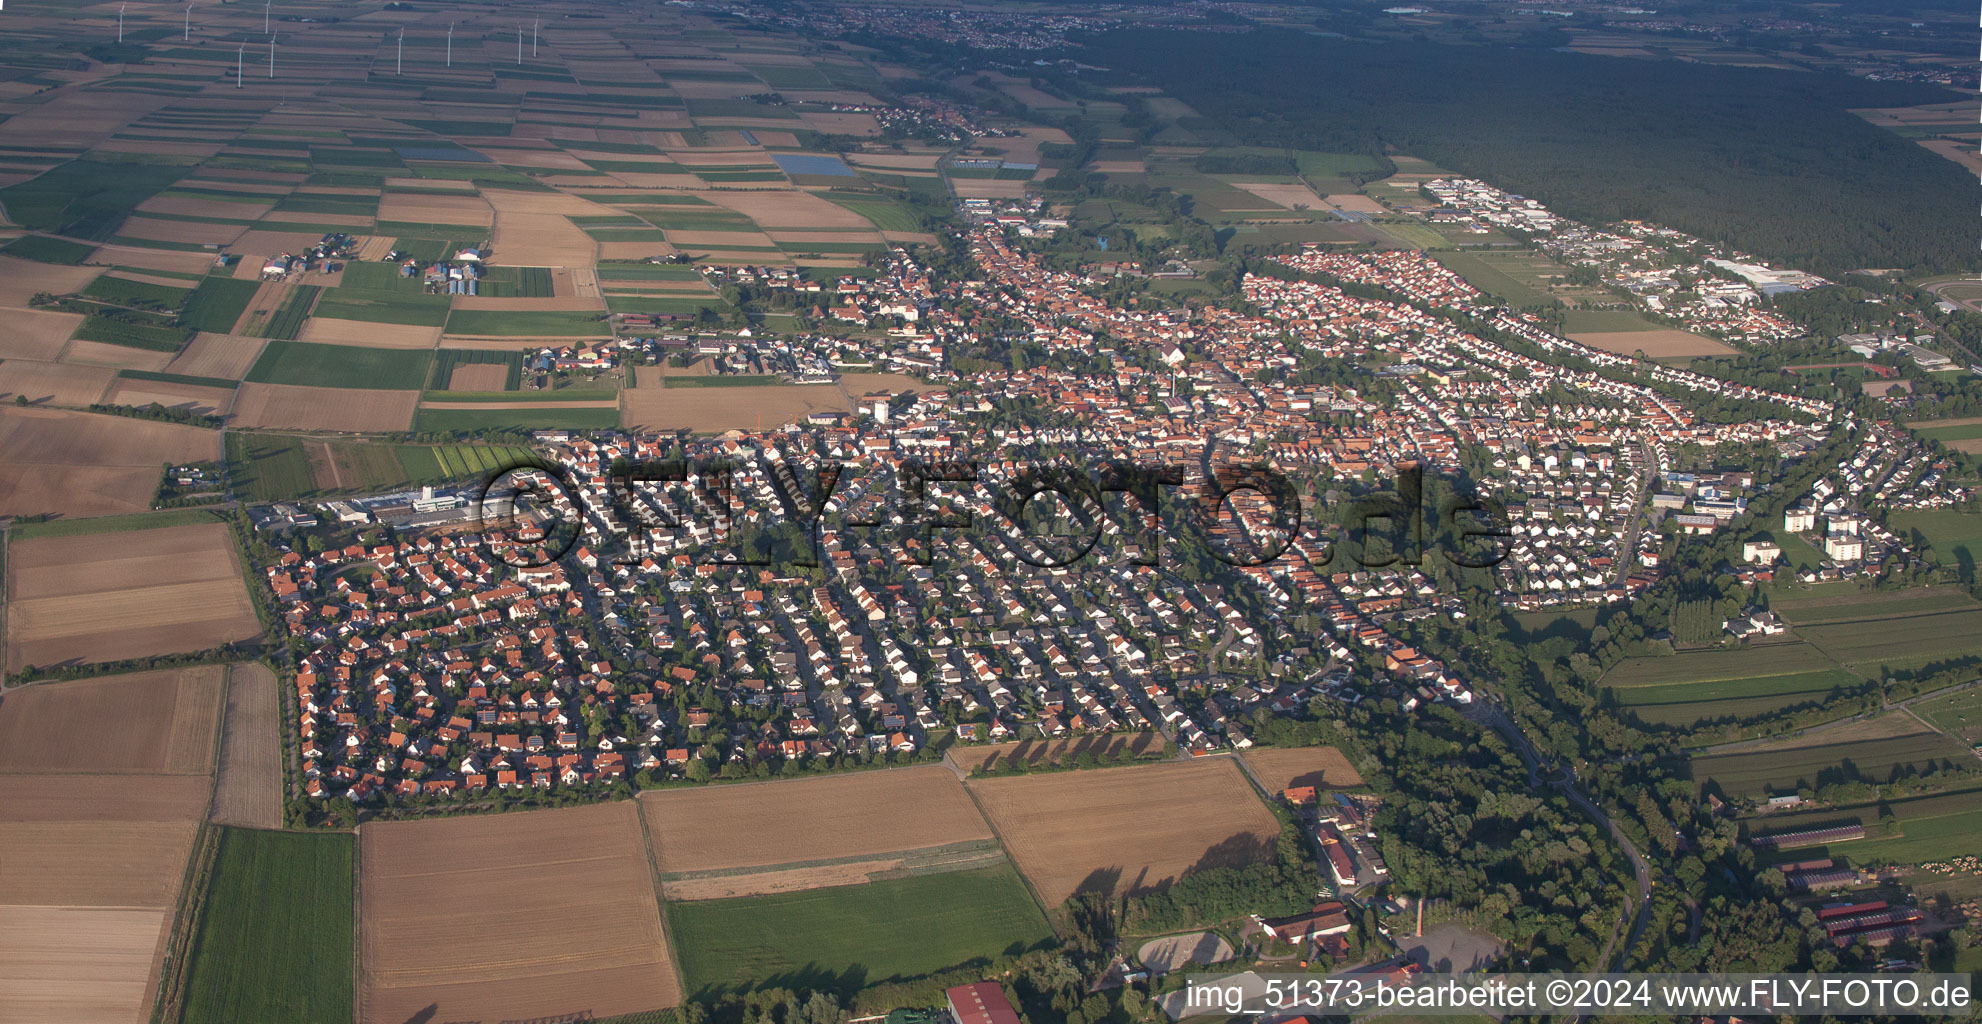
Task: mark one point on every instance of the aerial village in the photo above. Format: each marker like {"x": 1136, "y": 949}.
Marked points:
{"x": 442, "y": 668}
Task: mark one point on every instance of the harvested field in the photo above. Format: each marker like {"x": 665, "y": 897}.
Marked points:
{"x": 333, "y": 331}
{"x": 595, "y": 944}
{"x": 515, "y": 303}
{"x": 249, "y": 788}
{"x": 63, "y": 847}
{"x": 478, "y": 377}
{"x": 715, "y": 409}
{"x": 532, "y": 227}
{"x": 179, "y": 231}
{"x": 1660, "y": 344}
{"x": 789, "y": 208}
{"x": 77, "y": 963}
{"x": 743, "y": 839}
{"x": 90, "y": 598}
{"x": 21, "y": 279}
{"x": 122, "y": 357}
{"x": 53, "y": 383}
{"x": 311, "y": 408}
{"x": 190, "y": 397}
{"x": 989, "y": 188}
{"x": 429, "y": 209}
{"x": 226, "y": 356}
{"x": 1038, "y": 752}
{"x": 36, "y": 333}
{"x": 148, "y": 722}
{"x": 1126, "y": 830}
{"x": 153, "y": 259}
{"x": 86, "y": 464}
{"x": 192, "y": 206}
{"x": 1281, "y": 768}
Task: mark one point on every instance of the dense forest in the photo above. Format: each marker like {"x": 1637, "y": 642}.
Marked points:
{"x": 1771, "y": 162}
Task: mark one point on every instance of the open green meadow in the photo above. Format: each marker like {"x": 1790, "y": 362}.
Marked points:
{"x": 341, "y": 366}
{"x": 1958, "y": 713}
{"x": 1954, "y": 538}
{"x": 1693, "y": 686}
{"x": 48, "y": 250}
{"x": 1899, "y": 643}
{"x": 1603, "y": 321}
{"x": 274, "y": 940}
{"x": 881, "y": 931}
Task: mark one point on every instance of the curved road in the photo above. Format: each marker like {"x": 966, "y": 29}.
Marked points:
{"x": 1492, "y": 715}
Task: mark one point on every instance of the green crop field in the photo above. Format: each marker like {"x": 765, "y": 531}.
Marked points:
{"x": 383, "y": 308}
{"x": 885, "y": 214}
{"x": 1487, "y": 274}
{"x": 133, "y": 333}
{"x": 664, "y": 303}
{"x": 120, "y": 291}
{"x": 287, "y": 322}
{"x": 341, "y": 366}
{"x": 48, "y": 250}
{"x": 1601, "y": 321}
{"x": 884, "y": 930}
{"x": 86, "y": 198}
{"x": 114, "y": 524}
{"x": 498, "y": 323}
{"x": 274, "y": 942}
{"x": 1751, "y": 773}
{"x": 524, "y": 418}
{"x": 216, "y": 304}
{"x": 647, "y": 272}
{"x": 1870, "y": 605}
{"x": 268, "y": 467}
{"x": 1718, "y": 665}
{"x": 1871, "y": 644}
{"x": 1687, "y": 703}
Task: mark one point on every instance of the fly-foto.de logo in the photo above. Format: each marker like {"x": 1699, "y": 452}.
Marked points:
{"x": 1042, "y": 515}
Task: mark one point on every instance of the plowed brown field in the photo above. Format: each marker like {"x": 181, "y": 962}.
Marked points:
{"x": 1278, "y": 768}
{"x": 124, "y": 595}
{"x": 147, "y": 722}
{"x": 526, "y": 915}
{"x": 249, "y": 789}
{"x": 1125, "y": 830}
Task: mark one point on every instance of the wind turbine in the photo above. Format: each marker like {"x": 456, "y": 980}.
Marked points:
{"x": 120, "y": 22}
{"x": 519, "y": 45}
{"x": 189, "y": 22}
{"x": 399, "y": 66}
{"x": 240, "y": 61}
{"x": 533, "y": 37}
{"x": 450, "y": 44}
{"x": 271, "y": 56}
{"x": 265, "y": 10}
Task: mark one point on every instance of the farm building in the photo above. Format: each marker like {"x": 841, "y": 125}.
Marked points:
{"x": 1327, "y": 918}
{"x": 981, "y": 1003}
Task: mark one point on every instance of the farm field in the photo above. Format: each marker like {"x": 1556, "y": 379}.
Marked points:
{"x": 1868, "y": 605}
{"x": 94, "y": 865}
{"x": 653, "y": 406}
{"x": 1126, "y": 830}
{"x": 87, "y": 464}
{"x": 144, "y": 723}
{"x": 596, "y": 945}
{"x": 1281, "y": 768}
{"x": 1867, "y": 749}
{"x": 1958, "y": 713}
{"x": 274, "y": 941}
{"x": 1693, "y": 686}
{"x": 309, "y": 364}
{"x": 248, "y": 790}
{"x": 346, "y": 409}
{"x": 103, "y": 598}
{"x": 859, "y": 935}
{"x": 1654, "y": 343}
{"x": 1891, "y": 643}
{"x": 749, "y": 839}
{"x": 1036, "y": 752}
